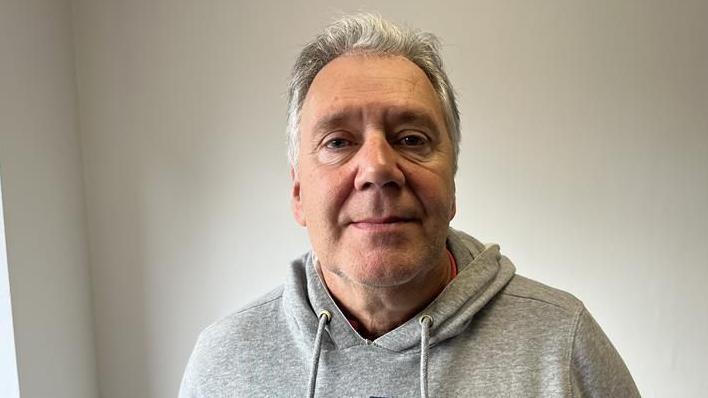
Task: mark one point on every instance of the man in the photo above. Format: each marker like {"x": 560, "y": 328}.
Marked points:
{"x": 391, "y": 302}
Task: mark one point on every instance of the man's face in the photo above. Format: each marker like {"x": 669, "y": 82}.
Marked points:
{"x": 374, "y": 182}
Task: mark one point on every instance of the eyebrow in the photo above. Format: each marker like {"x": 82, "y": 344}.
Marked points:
{"x": 392, "y": 117}
{"x": 334, "y": 120}
{"x": 412, "y": 117}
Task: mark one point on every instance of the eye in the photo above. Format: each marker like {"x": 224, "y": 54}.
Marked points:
{"x": 413, "y": 140}
{"x": 337, "y": 143}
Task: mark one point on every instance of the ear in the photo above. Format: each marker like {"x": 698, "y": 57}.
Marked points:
{"x": 295, "y": 199}
{"x": 453, "y": 208}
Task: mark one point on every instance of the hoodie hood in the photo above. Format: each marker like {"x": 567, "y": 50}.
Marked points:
{"x": 482, "y": 273}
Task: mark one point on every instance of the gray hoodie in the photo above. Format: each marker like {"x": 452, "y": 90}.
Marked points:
{"x": 490, "y": 333}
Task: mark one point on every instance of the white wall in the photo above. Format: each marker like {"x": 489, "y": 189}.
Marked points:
{"x": 185, "y": 177}
{"x": 587, "y": 158}
{"x": 43, "y": 202}
{"x": 585, "y": 155}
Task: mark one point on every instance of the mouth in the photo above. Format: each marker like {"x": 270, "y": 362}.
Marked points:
{"x": 382, "y": 223}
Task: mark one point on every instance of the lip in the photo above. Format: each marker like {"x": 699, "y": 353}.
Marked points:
{"x": 382, "y": 223}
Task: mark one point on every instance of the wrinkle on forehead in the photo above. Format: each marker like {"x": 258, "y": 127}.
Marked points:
{"x": 367, "y": 82}
{"x": 406, "y": 76}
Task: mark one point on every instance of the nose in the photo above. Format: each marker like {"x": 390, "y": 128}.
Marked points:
{"x": 378, "y": 166}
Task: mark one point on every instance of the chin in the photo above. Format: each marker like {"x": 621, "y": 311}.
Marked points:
{"x": 379, "y": 271}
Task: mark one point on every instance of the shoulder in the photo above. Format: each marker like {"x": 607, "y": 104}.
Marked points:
{"x": 261, "y": 308}
{"x": 224, "y": 344}
{"x": 533, "y": 309}
{"x": 535, "y": 294}
{"x": 228, "y": 336}
{"x": 594, "y": 366}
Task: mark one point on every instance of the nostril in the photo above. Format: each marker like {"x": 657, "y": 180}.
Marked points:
{"x": 392, "y": 184}
{"x": 382, "y": 178}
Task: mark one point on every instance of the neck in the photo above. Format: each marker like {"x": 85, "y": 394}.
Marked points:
{"x": 378, "y": 310}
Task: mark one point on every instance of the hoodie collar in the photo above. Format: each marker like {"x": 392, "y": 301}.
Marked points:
{"x": 482, "y": 273}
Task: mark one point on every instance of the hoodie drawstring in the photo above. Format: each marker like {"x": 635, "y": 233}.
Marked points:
{"x": 426, "y": 321}
{"x": 324, "y": 318}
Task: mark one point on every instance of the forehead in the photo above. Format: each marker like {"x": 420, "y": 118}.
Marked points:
{"x": 370, "y": 84}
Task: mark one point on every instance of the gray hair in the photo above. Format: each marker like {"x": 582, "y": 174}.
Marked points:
{"x": 369, "y": 34}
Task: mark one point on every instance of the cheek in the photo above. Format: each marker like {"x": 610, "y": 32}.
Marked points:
{"x": 436, "y": 193}
{"x": 442, "y": 204}
{"x": 324, "y": 194}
